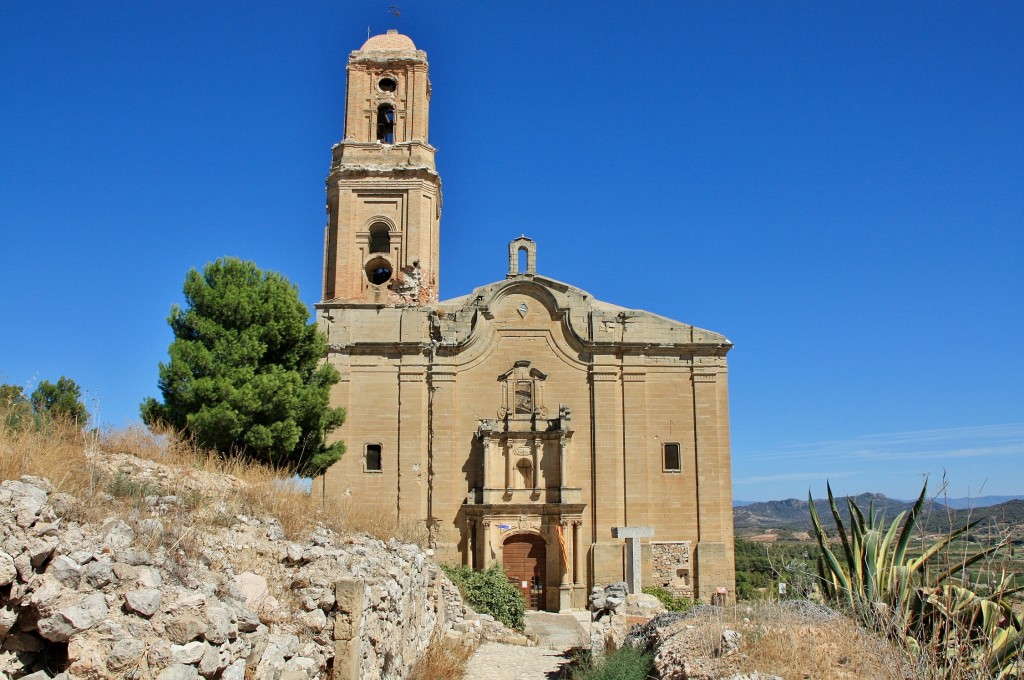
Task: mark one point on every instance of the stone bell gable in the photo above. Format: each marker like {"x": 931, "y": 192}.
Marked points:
{"x": 525, "y": 423}
{"x": 586, "y": 321}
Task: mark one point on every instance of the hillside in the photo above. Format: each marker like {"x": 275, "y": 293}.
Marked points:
{"x": 793, "y": 515}
{"x": 135, "y": 556}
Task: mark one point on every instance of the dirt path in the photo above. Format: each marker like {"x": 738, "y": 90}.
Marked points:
{"x": 496, "y": 661}
{"x": 556, "y": 633}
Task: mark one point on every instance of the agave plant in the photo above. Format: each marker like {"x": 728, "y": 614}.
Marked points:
{"x": 904, "y": 596}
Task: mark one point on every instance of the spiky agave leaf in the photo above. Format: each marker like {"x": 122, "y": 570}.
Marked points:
{"x": 908, "y": 526}
{"x": 884, "y": 561}
{"x": 961, "y": 566}
{"x": 888, "y": 589}
{"x": 840, "y": 529}
{"x": 840, "y": 580}
{"x": 917, "y": 563}
{"x": 1007, "y": 646}
{"x": 857, "y": 536}
{"x": 869, "y": 564}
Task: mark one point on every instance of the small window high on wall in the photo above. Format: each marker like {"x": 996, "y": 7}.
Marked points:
{"x": 386, "y": 124}
{"x": 373, "y": 453}
{"x": 671, "y": 458}
{"x": 380, "y": 238}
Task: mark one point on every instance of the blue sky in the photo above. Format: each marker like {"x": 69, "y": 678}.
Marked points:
{"x": 837, "y": 187}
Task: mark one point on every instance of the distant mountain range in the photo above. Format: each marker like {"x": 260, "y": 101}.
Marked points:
{"x": 979, "y": 502}
{"x": 793, "y": 514}
{"x": 958, "y": 503}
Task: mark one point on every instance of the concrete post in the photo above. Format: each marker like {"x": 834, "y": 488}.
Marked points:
{"x": 634, "y": 570}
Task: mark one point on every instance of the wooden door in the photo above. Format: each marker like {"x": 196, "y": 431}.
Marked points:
{"x": 524, "y": 559}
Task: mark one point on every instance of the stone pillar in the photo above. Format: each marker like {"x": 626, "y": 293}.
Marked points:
{"x": 412, "y": 443}
{"x": 350, "y": 596}
{"x": 535, "y": 461}
{"x": 485, "y": 458}
{"x": 576, "y": 551}
{"x": 562, "y": 475}
{"x": 444, "y": 496}
{"x": 713, "y": 554}
{"x": 634, "y": 569}
{"x": 638, "y": 500}
{"x": 485, "y": 544}
{"x": 467, "y": 556}
{"x": 509, "y": 482}
{"x": 608, "y": 479}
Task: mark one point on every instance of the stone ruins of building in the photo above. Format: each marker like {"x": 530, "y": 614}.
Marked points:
{"x": 522, "y": 422}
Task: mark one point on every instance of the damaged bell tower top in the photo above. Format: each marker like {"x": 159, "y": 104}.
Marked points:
{"x": 383, "y": 192}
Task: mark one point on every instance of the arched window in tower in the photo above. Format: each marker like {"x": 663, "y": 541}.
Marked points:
{"x": 523, "y": 261}
{"x": 386, "y": 124}
{"x": 380, "y": 238}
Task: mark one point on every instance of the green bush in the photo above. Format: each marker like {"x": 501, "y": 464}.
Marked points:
{"x": 625, "y": 663}
{"x": 671, "y": 602}
{"x": 761, "y": 566}
{"x": 490, "y": 592}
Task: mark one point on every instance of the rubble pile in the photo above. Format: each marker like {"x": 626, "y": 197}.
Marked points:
{"x": 135, "y": 597}
{"x": 614, "y": 610}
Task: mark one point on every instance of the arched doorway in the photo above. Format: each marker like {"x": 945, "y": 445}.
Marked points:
{"x": 524, "y": 558}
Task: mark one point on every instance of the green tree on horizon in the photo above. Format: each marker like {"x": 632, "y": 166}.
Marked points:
{"x": 15, "y": 405}
{"x": 245, "y": 375}
{"x": 62, "y": 399}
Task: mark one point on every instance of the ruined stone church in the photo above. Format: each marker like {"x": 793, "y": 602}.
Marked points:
{"x": 524, "y": 423}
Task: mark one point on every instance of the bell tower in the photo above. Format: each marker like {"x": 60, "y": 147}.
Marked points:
{"x": 383, "y": 192}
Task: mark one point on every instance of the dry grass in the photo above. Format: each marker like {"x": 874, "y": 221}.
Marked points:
{"x": 78, "y": 463}
{"x": 57, "y": 450}
{"x": 838, "y": 649}
{"x": 781, "y": 642}
{"x": 445, "y": 658}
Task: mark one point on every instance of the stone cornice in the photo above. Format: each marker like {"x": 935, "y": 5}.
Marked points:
{"x": 391, "y": 59}
{"x": 385, "y": 172}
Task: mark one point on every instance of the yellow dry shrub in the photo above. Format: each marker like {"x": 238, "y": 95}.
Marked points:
{"x": 68, "y": 456}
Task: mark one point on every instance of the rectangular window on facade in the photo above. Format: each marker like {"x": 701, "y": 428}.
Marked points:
{"x": 372, "y": 458}
{"x": 524, "y": 398}
{"x": 671, "y": 458}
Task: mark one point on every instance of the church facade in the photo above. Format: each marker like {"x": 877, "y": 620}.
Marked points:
{"x": 525, "y": 423}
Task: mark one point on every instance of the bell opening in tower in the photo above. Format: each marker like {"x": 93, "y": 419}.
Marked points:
{"x": 386, "y": 124}
{"x": 380, "y": 238}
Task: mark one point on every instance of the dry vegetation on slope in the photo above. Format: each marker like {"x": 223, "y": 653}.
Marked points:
{"x": 201, "y": 523}
{"x": 70, "y": 458}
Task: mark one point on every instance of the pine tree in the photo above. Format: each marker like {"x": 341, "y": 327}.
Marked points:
{"x": 245, "y": 375}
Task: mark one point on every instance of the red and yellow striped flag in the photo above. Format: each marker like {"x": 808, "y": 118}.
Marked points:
{"x": 561, "y": 542}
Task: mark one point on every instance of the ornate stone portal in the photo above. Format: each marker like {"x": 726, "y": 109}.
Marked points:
{"x": 521, "y": 422}
{"x": 524, "y": 475}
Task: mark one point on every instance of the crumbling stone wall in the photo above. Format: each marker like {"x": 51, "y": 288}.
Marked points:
{"x": 671, "y": 567}
{"x": 110, "y": 599}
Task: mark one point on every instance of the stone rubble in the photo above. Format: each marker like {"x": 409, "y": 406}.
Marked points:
{"x": 127, "y": 598}
{"x": 615, "y": 611}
